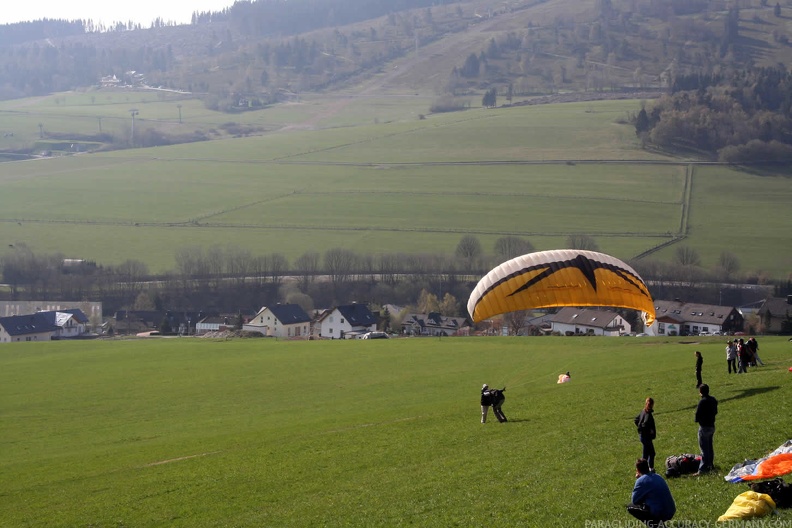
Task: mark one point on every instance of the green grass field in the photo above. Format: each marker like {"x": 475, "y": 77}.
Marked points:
{"x": 190, "y": 432}
{"x": 403, "y": 185}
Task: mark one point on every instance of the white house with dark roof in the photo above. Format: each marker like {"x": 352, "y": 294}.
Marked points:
{"x": 281, "y": 320}
{"x": 588, "y": 321}
{"x": 682, "y": 318}
{"x": 346, "y": 322}
{"x": 71, "y": 323}
{"x": 20, "y": 328}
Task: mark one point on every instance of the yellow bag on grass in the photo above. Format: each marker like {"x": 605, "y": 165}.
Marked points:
{"x": 747, "y": 505}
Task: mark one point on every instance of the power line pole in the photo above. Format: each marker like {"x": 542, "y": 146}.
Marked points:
{"x": 133, "y": 112}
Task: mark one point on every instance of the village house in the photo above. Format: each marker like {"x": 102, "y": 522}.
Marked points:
{"x": 280, "y": 320}
{"x": 681, "y": 318}
{"x": 69, "y": 323}
{"x": 32, "y": 327}
{"x": 213, "y": 323}
{"x": 434, "y": 324}
{"x": 775, "y": 315}
{"x": 346, "y": 322}
{"x": 588, "y": 321}
{"x": 93, "y": 310}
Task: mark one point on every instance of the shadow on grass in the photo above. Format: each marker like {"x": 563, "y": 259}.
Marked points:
{"x": 747, "y": 393}
{"x": 742, "y": 393}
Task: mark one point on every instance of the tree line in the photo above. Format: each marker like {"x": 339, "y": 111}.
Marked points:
{"x": 266, "y": 18}
{"x": 229, "y": 279}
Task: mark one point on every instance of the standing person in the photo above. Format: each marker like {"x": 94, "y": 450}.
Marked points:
{"x": 753, "y": 346}
{"x": 731, "y": 355}
{"x": 497, "y": 401}
{"x": 646, "y": 432}
{"x": 742, "y": 356}
{"x": 486, "y": 401}
{"x": 699, "y": 363}
{"x": 651, "y": 500}
{"x": 706, "y": 410}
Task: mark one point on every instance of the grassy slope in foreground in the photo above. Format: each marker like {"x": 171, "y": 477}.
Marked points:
{"x": 381, "y": 433}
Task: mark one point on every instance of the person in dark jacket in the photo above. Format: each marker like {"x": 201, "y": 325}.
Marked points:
{"x": 753, "y": 346}
{"x": 699, "y": 363}
{"x": 646, "y": 432}
{"x": 706, "y": 410}
{"x": 497, "y": 401}
{"x": 652, "y": 502}
{"x": 486, "y": 402}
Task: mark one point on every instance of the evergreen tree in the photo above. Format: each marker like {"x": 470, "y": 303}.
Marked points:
{"x": 641, "y": 122}
{"x": 490, "y": 98}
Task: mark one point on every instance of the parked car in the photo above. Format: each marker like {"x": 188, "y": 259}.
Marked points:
{"x": 375, "y": 335}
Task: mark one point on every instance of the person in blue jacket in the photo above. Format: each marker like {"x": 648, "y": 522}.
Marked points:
{"x": 652, "y": 502}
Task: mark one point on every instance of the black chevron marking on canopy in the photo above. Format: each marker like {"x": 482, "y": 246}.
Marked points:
{"x": 586, "y": 267}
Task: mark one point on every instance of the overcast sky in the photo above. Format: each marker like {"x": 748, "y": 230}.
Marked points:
{"x": 107, "y": 11}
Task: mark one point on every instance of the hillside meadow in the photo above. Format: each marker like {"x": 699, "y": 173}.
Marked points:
{"x": 411, "y": 185}
{"x": 198, "y": 432}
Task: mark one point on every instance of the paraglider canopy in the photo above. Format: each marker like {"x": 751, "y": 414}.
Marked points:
{"x": 561, "y": 277}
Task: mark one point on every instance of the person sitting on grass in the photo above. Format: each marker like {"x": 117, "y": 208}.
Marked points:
{"x": 652, "y": 502}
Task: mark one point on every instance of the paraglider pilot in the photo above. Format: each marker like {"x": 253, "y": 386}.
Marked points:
{"x": 486, "y": 402}
{"x": 497, "y": 401}
{"x": 492, "y": 398}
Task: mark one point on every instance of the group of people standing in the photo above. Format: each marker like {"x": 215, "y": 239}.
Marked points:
{"x": 742, "y": 354}
{"x": 651, "y": 500}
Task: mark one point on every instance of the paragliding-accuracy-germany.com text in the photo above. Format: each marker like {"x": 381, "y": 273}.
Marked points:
{"x": 741, "y": 523}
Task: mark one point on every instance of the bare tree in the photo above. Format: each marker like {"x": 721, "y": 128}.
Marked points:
{"x": 130, "y": 275}
{"x": 468, "y": 251}
{"x": 468, "y": 248}
{"x": 509, "y": 247}
{"x": 339, "y": 265}
{"x": 190, "y": 264}
{"x": 388, "y": 268}
{"x": 729, "y": 263}
{"x": 582, "y": 242}
{"x": 687, "y": 256}
{"x": 280, "y": 267}
{"x": 307, "y": 265}
{"x": 215, "y": 263}
{"x": 239, "y": 263}
{"x": 515, "y": 321}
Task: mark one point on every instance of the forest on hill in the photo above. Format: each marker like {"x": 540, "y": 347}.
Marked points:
{"x": 256, "y": 54}
{"x": 253, "y": 49}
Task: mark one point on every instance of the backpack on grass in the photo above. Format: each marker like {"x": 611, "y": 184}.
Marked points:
{"x": 779, "y": 491}
{"x": 686, "y": 464}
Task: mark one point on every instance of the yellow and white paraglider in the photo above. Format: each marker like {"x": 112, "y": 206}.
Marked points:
{"x": 561, "y": 277}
